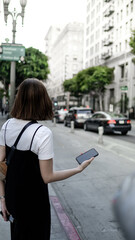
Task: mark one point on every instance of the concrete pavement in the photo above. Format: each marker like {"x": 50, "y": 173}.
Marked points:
{"x": 62, "y": 228}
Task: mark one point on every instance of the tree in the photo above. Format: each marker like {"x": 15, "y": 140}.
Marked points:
{"x": 5, "y": 73}
{"x": 34, "y": 66}
{"x": 132, "y": 44}
{"x": 100, "y": 78}
{"x": 93, "y": 79}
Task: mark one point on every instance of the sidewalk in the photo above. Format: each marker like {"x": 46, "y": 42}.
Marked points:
{"x": 60, "y": 222}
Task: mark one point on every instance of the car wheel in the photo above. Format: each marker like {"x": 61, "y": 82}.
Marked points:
{"x": 65, "y": 123}
{"x": 85, "y": 127}
{"x": 124, "y": 133}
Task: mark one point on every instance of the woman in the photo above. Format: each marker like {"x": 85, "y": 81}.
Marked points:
{"x": 30, "y": 169}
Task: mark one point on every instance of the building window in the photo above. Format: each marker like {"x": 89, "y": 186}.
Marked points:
{"x": 97, "y": 47}
{"x": 122, "y": 71}
{"x": 92, "y": 26}
{"x": 87, "y": 31}
{"x": 87, "y": 53}
{"x": 131, "y": 22}
{"x": 93, "y": 2}
{"x": 74, "y": 58}
{"x": 126, "y": 27}
{"x": 127, "y": 9}
{"x": 93, "y": 14}
{"x": 126, "y": 43}
{"x": 86, "y": 65}
{"x": 131, "y": 6}
{"x": 88, "y": 18}
{"x": 87, "y": 42}
{"x": 117, "y": 33}
{"x": 74, "y": 67}
{"x": 91, "y": 50}
{"x": 91, "y": 62}
{"x": 117, "y": 17}
{"x": 121, "y": 14}
{"x": 88, "y": 7}
{"x": 120, "y": 46}
{"x": 92, "y": 38}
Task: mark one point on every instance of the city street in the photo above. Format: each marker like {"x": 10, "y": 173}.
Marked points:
{"x": 87, "y": 197}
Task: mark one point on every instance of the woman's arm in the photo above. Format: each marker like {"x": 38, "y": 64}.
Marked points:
{"x": 48, "y": 175}
{"x": 2, "y": 186}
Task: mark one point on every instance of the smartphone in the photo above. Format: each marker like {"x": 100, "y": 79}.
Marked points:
{"x": 9, "y": 217}
{"x": 87, "y": 155}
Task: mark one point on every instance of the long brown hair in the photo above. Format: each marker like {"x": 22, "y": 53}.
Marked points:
{"x": 32, "y": 101}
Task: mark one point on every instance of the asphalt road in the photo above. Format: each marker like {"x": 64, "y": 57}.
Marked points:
{"x": 87, "y": 197}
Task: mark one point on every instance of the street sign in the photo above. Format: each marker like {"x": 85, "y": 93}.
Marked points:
{"x": 124, "y": 88}
{"x": 11, "y": 52}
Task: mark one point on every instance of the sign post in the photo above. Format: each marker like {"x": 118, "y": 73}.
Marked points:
{"x": 11, "y": 52}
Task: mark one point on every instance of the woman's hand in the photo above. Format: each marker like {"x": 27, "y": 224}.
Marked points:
{"x": 5, "y": 213}
{"x": 85, "y": 164}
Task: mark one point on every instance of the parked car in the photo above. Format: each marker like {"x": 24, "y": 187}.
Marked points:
{"x": 78, "y": 115}
{"x": 60, "y": 115}
{"x": 110, "y": 121}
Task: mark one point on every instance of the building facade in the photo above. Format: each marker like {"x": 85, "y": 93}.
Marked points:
{"x": 66, "y": 60}
{"x": 107, "y": 34}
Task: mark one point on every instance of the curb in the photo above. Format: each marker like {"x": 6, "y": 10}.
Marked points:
{"x": 65, "y": 221}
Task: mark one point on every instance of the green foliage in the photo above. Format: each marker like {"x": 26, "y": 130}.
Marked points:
{"x": 35, "y": 66}
{"x": 5, "y": 72}
{"x": 94, "y": 78}
{"x": 100, "y": 78}
{"x": 89, "y": 80}
{"x": 132, "y": 44}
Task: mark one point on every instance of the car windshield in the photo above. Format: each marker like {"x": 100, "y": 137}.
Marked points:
{"x": 82, "y": 111}
{"x": 116, "y": 115}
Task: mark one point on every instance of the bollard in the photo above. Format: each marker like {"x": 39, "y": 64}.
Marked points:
{"x": 54, "y": 122}
{"x": 100, "y": 132}
{"x": 72, "y": 126}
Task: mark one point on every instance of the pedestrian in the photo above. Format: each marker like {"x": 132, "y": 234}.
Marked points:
{"x": 2, "y": 111}
{"x": 24, "y": 197}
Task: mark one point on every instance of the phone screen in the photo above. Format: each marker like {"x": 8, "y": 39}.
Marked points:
{"x": 87, "y": 155}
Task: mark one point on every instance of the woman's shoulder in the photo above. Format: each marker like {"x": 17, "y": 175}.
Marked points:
{"x": 44, "y": 130}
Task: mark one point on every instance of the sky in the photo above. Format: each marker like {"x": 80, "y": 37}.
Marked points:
{"x": 39, "y": 16}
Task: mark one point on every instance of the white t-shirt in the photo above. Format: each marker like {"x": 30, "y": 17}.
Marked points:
{"x": 43, "y": 140}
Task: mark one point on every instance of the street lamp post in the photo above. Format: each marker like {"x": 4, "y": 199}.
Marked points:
{"x": 14, "y": 15}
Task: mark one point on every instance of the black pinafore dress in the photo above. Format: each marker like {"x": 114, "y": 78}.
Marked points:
{"x": 26, "y": 196}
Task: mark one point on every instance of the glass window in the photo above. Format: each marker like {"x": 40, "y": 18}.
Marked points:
{"x": 127, "y": 9}
{"x": 85, "y": 111}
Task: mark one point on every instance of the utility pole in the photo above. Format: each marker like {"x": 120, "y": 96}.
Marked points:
{"x": 14, "y": 15}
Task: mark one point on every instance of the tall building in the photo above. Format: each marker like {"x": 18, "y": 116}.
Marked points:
{"x": 107, "y": 34}
{"x": 66, "y": 54}
{"x": 1, "y": 18}
{"x": 50, "y": 38}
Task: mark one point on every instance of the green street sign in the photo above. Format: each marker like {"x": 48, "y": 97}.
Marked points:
{"x": 12, "y": 52}
{"x": 124, "y": 88}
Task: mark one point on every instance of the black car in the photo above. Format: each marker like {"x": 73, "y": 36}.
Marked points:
{"x": 78, "y": 115}
{"x": 111, "y": 122}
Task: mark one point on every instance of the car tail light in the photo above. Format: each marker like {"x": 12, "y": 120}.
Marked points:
{"x": 128, "y": 121}
{"x": 111, "y": 122}
{"x": 75, "y": 115}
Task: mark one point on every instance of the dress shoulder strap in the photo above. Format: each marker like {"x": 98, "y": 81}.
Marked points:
{"x": 34, "y": 136}
{"x": 20, "y": 134}
{"x": 12, "y": 150}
